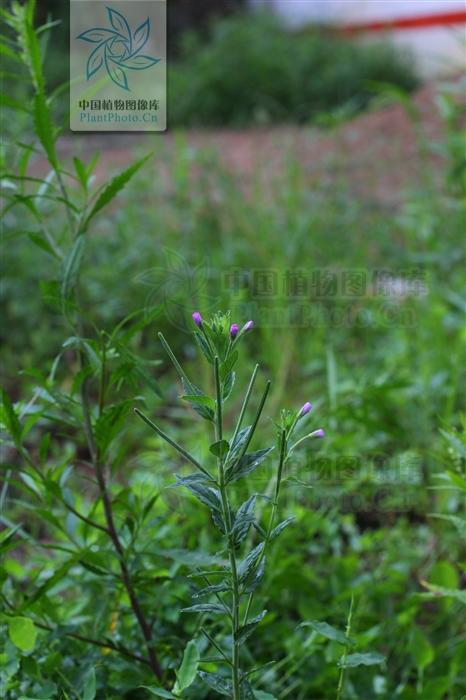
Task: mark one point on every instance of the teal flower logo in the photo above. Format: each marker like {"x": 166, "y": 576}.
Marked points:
{"x": 118, "y": 48}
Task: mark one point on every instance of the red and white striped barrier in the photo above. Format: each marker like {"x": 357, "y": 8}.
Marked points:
{"x": 434, "y": 30}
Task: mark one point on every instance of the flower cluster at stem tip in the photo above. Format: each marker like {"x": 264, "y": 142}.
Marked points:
{"x": 220, "y": 337}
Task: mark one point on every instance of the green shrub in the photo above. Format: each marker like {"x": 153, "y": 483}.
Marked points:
{"x": 250, "y": 70}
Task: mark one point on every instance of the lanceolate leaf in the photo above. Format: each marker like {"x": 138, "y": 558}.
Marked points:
{"x": 110, "y": 191}
{"x": 329, "y": 632}
{"x": 248, "y": 463}
{"x": 10, "y": 419}
{"x": 214, "y": 588}
{"x": 109, "y": 424}
{"x": 207, "y": 495}
{"x": 280, "y": 527}
{"x": 248, "y": 565}
{"x": 44, "y": 127}
{"x": 71, "y": 266}
{"x": 158, "y": 692}
{"x": 245, "y": 631}
{"x": 201, "y": 406}
{"x": 369, "y": 659}
{"x": 187, "y": 672}
{"x": 205, "y": 608}
{"x": 191, "y": 479}
{"x": 238, "y": 443}
{"x": 200, "y": 400}
{"x": 255, "y": 577}
{"x": 243, "y": 520}
{"x": 31, "y": 46}
{"x": 218, "y": 683}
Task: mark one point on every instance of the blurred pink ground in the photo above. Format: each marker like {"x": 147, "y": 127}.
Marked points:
{"x": 380, "y": 153}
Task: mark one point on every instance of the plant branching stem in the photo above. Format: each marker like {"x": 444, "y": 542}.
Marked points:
{"x": 113, "y": 534}
{"x": 173, "y": 443}
{"x": 345, "y": 653}
{"x": 245, "y": 404}
{"x": 107, "y": 644}
{"x": 273, "y": 512}
{"x": 235, "y": 587}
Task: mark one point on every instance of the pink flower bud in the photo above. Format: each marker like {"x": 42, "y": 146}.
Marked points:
{"x": 305, "y": 409}
{"x": 197, "y": 318}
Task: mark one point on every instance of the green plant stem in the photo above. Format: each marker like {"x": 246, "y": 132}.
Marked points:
{"x": 174, "y": 444}
{"x": 341, "y": 679}
{"x": 172, "y": 357}
{"x": 125, "y": 575}
{"x": 256, "y": 420}
{"x": 113, "y": 533}
{"x": 245, "y": 404}
{"x": 235, "y": 591}
{"x": 273, "y": 512}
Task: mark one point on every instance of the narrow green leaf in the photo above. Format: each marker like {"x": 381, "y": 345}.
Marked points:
{"x": 246, "y": 630}
{"x": 89, "y": 685}
{"x": 110, "y": 191}
{"x": 329, "y": 632}
{"x": 206, "y": 495}
{"x": 159, "y": 692}
{"x": 421, "y": 649}
{"x": 246, "y": 464}
{"x": 214, "y": 588}
{"x": 369, "y": 659}
{"x": 218, "y": 683}
{"x": 109, "y": 424}
{"x": 81, "y": 172}
{"x": 247, "y": 566}
{"x": 187, "y": 672}
{"x": 42, "y": 243}
{"x": 205, "y": 608}
{"x": 280, "y": 527}
{"x": 199, "y": 405}
{"x": 31, "y": 48}
{"x": 199, "y": 400}
{"x": 10, "y": 419}
{"x": 442, "y": 592}
{"x": 44, "y": 128}
{"x": 173, "y": 443}
{"x": 204, "y": 346}
{"x": 71, "y": 266}
{"x": 243, "y": 520}
{"x": 238, "y": 443}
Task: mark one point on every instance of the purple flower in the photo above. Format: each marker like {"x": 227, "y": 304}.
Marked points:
{"x": 247, "y": 326}
{"x": 197, "y": 318}
{"x": 318, "y": 433}
{"x": 305, "y": 409}
{"x": 233, "y": 330}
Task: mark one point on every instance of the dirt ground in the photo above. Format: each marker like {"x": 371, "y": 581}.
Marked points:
{"x": 380, "y": 152}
